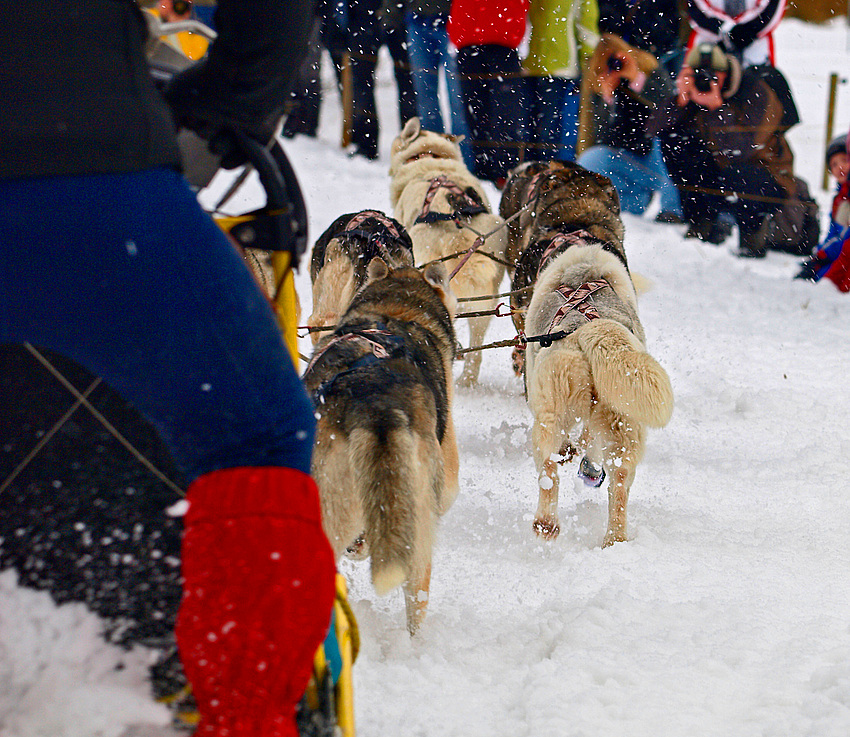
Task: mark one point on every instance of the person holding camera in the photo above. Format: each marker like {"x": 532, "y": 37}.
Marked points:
{"x": 633, "y": 84}
{"x": 723, "y": 141}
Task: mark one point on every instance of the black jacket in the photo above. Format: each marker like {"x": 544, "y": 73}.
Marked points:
{"x": 624, "y": 123}
{"x": 78, "y": 98}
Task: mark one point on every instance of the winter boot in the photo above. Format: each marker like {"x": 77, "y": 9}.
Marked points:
{"x": 589, "y": 473}
{"x": 752, "y": 243}
{"x": 257, "y": 595}
{"x": 711, "y": 231}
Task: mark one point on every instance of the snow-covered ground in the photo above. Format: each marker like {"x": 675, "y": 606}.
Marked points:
{"x": 727, "y": 613}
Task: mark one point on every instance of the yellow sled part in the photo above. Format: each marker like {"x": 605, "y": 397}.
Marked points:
{"x": 286, "y": 303}
{"x": 285, "y": 298}
{"x": 348, "y": 640}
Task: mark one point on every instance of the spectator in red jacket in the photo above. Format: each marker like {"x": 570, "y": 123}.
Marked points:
{"x": 487, "y": 34}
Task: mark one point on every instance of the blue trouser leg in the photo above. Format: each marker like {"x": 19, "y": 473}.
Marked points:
{"x": 126, "y": 275}
{"x": 424, "y": 50}
{"x": 667, "y": 192}
{"x": 633, "y": 180}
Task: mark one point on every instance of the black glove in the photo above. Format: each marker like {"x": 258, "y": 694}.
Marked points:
{"x": 203, "y": 101}
{"x": 809, "y": 269}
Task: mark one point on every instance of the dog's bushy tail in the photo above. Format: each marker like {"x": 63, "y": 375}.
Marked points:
{"x": 333, "y": 289}
{"x": 626, "y": 377}
{"x": 395, "y": 481}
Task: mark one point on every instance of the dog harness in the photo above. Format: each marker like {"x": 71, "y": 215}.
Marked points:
{"x": 379, "y": 350}
{"x": 468, "y": 205}
{"x": 382, "y": 344}
{"x": 564, "y": 240}
{"x": 375, "y": 239}
{"x": 579, "y": 299}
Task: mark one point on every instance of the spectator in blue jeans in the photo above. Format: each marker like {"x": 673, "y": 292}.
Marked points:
{"x": 632, "y": 84}
{"x": 428, "y": 50}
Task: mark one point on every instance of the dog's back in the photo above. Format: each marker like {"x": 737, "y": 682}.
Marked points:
{"x": 595, "y": 374}
{"x": 342, "y": 254}
{"x": 382, "y": 392}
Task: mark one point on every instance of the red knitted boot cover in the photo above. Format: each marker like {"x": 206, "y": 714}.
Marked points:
{"x": 257, "y": 594}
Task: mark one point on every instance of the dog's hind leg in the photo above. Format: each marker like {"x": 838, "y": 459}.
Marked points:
{"x": 618, "y": 499}
{"x": 547, "y": 439}
{"x": 622, "y": 442}
{"x": 417, "y": 589}
{"x": 472, "y": 361}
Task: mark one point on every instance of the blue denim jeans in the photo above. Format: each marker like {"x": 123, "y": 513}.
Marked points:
{"x": 552, "y": 105}
{"x": 126, "y": 275}
{"x": 428, "y": 50}
{"x": 634, "y": 177}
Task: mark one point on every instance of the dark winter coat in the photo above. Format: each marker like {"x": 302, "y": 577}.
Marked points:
{"x": 745, "y": 129}
{"x": 77, "y": 97}
{"x": 652, "y": 25}
{"x": 624, "y": 125}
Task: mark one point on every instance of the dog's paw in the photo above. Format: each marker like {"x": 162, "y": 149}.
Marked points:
{"x": 547, "y": 527}
{"x": 612, "y": 537}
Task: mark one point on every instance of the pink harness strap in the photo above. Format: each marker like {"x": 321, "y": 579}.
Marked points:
{"x": 561, "y": 239}
{"x": 375, "y": 215}
{"x": 443, "y": 182}
{"x": 578, "y": 299}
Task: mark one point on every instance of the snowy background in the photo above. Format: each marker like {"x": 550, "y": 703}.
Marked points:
{"x": 727, "y": 613}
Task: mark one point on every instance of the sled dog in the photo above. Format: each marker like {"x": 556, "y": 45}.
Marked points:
{"x": 341, "y": 256}
{"x": 443, "y": 206}
{"x": 385, "y": 456}
{"x": 591, "y": 385}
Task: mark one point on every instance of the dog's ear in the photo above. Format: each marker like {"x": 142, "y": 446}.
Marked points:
{"x": 412, "y": 129}
{"x": 453, "y": 138}
{"x": 437, "y": 276}
{"x": 377, "y": 269}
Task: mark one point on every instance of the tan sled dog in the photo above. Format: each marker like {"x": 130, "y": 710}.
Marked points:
{"x": 385, "y": 457}
{"x": 341, "y": 256}
{"x": 435, "y": 196}
{"x": 591, "y": 385}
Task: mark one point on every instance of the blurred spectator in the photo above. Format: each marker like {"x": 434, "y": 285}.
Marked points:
{"x": 305, "y": 100}
{"x": 656, "y": 26}
{"x": 429, "y": 52}
{"x": 357, "y": 27}
{"x": 487, "y": 35}
{"x": 633, "y": 85}
{"x": 832, "y": 258}
{"x": 743, "y": 28}
{"x": 723, "y": 143}
{"x": 563, "y": 35}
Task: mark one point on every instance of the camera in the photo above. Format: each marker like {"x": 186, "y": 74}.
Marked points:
{"x": 703, "y": 78}
{"x": 615, "y": 63}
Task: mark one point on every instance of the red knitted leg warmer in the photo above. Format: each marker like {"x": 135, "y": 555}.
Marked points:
{"x": 257, "y": 595}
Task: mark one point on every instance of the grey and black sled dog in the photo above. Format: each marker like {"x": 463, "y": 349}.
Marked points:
{"x": 591, "y": 385}
{"x": 385, "y": 457}
{"x": 341, "y": 256}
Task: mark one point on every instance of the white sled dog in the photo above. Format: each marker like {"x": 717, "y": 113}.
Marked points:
{"x": 435, "y": 196}
{"x": 385, "y": 456}
{"x": 591, "y": 385}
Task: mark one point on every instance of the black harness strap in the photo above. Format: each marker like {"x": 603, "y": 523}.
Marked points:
{"x": 468, "y": 208}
